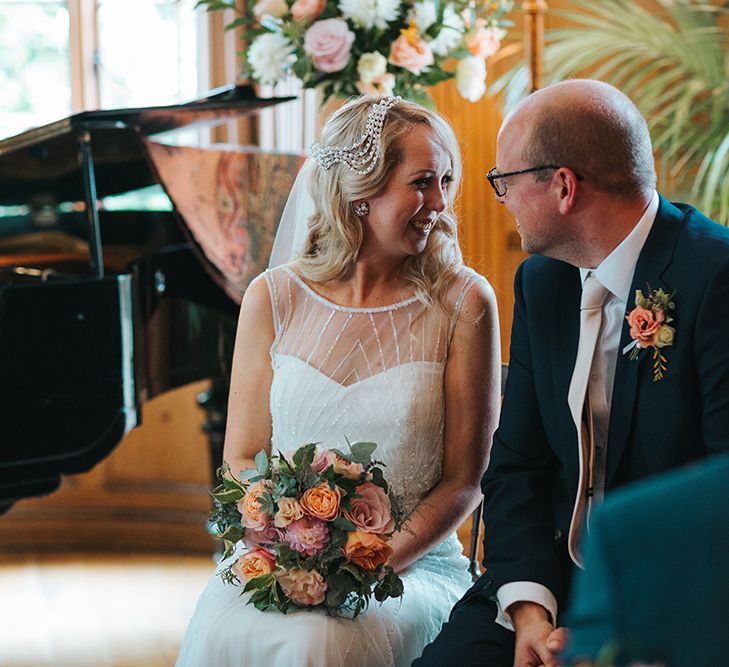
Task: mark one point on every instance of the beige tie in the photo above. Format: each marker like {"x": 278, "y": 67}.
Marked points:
{"x": 593, "y": 296}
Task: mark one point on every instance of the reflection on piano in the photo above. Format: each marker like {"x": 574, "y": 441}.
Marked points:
{"x": 101, "y": 310}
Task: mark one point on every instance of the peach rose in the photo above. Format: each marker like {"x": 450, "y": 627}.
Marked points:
{"x": 305, "y": 587}
{"x": 483, "y": 42}
{"x": 253, "y": 515}
{"x": 329, "y": 43}
{"x": 366, "y": 550}
{"x": 275, "y": 8}
{"x": 372, "y": 512}
{"x": 254, "y": 563}
{"x": 411, "y": 52}
{"x": 347, "y": 468}
{"x": 380, "y": 85}
{"x": 321, "y": 502}
{"x": 644, "y": 324}
{"x": 288, "y": 510}
{"x": 307, "y": 9}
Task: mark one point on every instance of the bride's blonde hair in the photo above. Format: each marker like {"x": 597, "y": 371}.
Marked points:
{"x": 335, "y": 232}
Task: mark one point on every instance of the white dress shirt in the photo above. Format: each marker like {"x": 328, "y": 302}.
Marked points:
{"x": 615, "y": 272}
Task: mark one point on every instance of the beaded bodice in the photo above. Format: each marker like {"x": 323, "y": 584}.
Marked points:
{"x": 372, "y": 374}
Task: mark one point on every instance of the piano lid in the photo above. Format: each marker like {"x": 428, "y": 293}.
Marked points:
{"x": 44, "y": 161}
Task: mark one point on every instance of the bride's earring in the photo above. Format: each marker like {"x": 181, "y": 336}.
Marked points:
{"x": 361, "y": 209}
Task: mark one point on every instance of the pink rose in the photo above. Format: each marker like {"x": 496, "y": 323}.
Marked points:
{"x": 322, "y": 460}
{"x": 254, "y": 563}
{"x": 329, "y": 43}
{"x": 307, "y": 536}
{"x": 372, "y": 512}
{"x": 307, "y": 9}
{"x": 268, "y": 535}
{"x": 483, "y": 42}
{"x": 305, "y": 587}
{"x": 644, "y": 324}
{"x": 410, "y": 52}
{"x": 253, "y": 514}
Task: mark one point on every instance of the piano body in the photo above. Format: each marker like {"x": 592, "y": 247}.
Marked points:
{"x": 101, "y": 310}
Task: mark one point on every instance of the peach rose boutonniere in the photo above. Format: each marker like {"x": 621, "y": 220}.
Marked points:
{"x": 650, "y": 326}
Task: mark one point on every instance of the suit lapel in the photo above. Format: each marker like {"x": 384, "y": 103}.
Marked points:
{"x": 652, "y": 263}
{"x": 565, "y": 336}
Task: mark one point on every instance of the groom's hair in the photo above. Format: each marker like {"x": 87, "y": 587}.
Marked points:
{"x": 597, "y": 131}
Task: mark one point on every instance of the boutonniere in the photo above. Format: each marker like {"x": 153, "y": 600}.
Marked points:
{"x": 650, "y": 327}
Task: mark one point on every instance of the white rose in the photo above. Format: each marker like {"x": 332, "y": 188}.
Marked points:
{"x": 370, "y": 66}
{"x": 270, "y": 57}
{"x": 450, "y": 34}
{"x": 423, "y": 14}
{"x": 370, "y": 14}
{"x": 275, "y": 8}
{"x": 471, "y": 78}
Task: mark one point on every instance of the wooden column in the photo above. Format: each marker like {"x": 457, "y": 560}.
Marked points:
{"x": 534, "y": 14}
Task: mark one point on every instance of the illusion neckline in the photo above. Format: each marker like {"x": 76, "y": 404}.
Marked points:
{"x": 347, "y": 309}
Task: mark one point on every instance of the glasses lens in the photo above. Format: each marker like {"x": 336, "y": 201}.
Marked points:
{"x": 496, "y": 183}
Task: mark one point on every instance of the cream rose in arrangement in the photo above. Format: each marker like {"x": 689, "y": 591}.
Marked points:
{"x": 346, "y": 47}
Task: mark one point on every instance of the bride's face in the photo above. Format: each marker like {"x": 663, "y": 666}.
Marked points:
{"x": 403, "y": 215}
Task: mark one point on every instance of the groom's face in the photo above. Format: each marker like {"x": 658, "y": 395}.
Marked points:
{"x": 526, "y": 198}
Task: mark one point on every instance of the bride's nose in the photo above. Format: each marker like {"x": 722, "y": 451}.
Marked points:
{"x": 436, "y": 200}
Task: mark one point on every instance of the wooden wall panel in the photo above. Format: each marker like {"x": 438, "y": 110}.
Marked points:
{"x": 488, "y": 235}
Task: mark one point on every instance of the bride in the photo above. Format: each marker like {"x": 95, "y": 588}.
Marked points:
{"x": 375, "y": 332}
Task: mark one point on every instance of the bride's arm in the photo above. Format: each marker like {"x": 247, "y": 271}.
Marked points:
{"x": 472, "y": 388}
{"x": 248, "y": 428}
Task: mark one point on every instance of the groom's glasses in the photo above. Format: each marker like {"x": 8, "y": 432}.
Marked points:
{"x": 499, "y": 184}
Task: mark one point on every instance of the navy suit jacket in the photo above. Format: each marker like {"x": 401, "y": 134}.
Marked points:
{"x": 656, "y": 574}
{"x": 531, "y": 482}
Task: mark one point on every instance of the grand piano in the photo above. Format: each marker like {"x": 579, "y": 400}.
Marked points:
{"x": 103, "y": 309}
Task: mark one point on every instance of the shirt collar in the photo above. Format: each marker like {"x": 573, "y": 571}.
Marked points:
{"x": 616, "y": 271}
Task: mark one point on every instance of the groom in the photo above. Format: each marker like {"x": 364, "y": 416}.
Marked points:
{"x": 594, "y": 399}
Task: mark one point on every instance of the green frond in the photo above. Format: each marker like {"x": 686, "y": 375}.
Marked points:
{"x": 673, "y": 61}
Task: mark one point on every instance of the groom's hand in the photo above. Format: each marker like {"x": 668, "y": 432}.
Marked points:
{"x": 538, "y": 643}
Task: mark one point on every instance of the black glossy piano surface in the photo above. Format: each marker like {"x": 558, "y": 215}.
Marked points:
{"x": 100, "y": 310}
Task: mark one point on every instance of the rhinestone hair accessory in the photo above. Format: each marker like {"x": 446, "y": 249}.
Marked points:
{"x": 361, "y": 157}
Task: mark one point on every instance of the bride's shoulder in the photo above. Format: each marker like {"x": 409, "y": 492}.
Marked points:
{"x": 468, "y": 285}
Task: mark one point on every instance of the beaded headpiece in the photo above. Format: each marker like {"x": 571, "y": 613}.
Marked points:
{"x": 361, "y": 157}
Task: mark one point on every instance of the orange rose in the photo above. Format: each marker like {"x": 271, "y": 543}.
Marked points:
{"x": 644, "y": 324}
{"x": 347, "y": 468}
{"x": 254, "y": 563}
{"x": 321, "y": 502}
{"x": 367, "y": 550}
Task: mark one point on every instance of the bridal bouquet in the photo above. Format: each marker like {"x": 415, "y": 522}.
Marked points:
{"x": 385, "y": 47}
{"x": 317, "y": 526}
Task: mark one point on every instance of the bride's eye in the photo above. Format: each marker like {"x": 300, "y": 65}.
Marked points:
{"x": 422, "y": 183}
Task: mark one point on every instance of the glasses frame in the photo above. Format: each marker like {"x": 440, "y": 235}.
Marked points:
{"x": 494, "y": 175}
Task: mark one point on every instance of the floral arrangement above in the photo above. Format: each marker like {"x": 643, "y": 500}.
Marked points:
{"x": 387, "y": 47}
{"x": 650, "y": 327}
{"x": 316, "y": 526}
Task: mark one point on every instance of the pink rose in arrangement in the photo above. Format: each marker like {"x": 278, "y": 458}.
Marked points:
{"x": 307, "y": 536}
{"x": 372, "y": 512}
{"x": 322, "y": 460}
{"x": 483, "y": 42}
{"x": 411, "y": 52}
{"x": 644, "y": 324}
{"x": 254, "y": 563}
{"x": 329, "y": 43}
{"x": 305, "y": 587}
{"x": 307, "y": 9}
{"x": 268, "y": 535}
{"x": 253, "y": 514}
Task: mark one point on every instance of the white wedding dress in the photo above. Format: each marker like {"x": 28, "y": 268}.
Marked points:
{"x": 368, "y": 374}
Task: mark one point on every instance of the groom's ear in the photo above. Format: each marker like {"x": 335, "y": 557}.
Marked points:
{"x": 566, "y": 186}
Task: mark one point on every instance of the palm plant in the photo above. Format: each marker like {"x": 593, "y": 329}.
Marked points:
{"x": 671, "y": 57}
